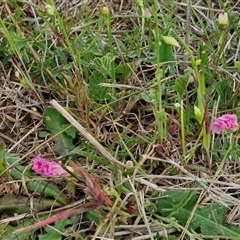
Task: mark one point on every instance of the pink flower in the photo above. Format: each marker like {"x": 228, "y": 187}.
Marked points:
{"x": 49, "y": 169}
{"x": 225, "y": 122}
{"x": 38, "y": 164}
{"x": 53, "y": 169}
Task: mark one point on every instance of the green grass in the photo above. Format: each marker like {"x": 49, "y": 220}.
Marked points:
{"x": 143, "y": 109}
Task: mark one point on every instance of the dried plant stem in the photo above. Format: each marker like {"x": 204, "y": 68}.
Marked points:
{"x": 86, "y": 135}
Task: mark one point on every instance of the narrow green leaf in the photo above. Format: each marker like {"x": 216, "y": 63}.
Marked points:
{"x": 203, "y": 55}
{"x": 93, "y": 217}
{"x": 91, "y": 156}
{"x": 49, "y": 190}
{"x": 11, "y": 204}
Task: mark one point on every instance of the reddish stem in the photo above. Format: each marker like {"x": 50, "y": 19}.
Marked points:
{"x": 62, "y": 215}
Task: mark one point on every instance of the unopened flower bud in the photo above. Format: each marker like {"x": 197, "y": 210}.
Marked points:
{"x": 49, "y": 9}
{"x": 129, "y": 164}
{"x": 105, "y": 11}
{"x": 177, "y": 105}
{"x": 223, "y": 20}
{"x": 147, "y": 13}
{"x": 171, "y": 41}
{"x": 198, "y": 114}
{"x": 17, "y": 74}
{"x": 198, "y": 62}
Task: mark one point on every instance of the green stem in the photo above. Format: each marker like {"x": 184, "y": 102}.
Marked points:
{"x": 160, "y": 113}
{"x": 110, "y": 38}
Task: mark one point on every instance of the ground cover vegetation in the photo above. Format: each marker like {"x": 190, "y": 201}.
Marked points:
{"x": 119, "y": 119}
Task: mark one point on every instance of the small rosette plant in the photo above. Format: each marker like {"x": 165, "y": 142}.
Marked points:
{"x": 227, "y": 122}
{"x": 48, "y": 168}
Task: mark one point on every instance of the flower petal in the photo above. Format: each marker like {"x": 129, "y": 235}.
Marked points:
{"x": 53, "y": 169}
{"x": 38, "y": 164}
{"x": 227, "y": 122}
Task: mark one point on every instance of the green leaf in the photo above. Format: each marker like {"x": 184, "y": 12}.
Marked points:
{"x": 148, "y": 97}
{"x": 208, "y": 220}
{"x": 8, "y": 234}
{"x": 125, "y": 69}
{"x": 181, "y": 85}
{"x": 52, "y": 233}
{"x": 237, "y": 65}
{"x": 43, "y": 134}
{"x": 203, "y": 55}
{"x": 49, "y": 190}
{"x": 2, "y": 167}
{"x": 69, "y": 130}
{"x": 54, "y": 122}
{"x": 96, "y": 92}
{"x": 91, "y": 156}
{"x": 174, "y": 201}
{"x": 68, "y": 66}
{"x": 104, "y": 65}
{"x": 11, "y": 204}
{"x": 93, "y": 217}
{"x": 140, "y": 3}
{"x": 5, "y": 160}
{"x": 8, "y": 157}
{"x": 166, "y": 55}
